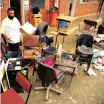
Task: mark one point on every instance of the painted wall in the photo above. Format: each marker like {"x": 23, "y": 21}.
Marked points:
{"x": 86, "y": 8}
{"x": 3, "y": 10}
{"x": 64, "y": 7}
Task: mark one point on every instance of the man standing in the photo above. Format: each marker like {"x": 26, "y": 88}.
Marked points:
{"x": 11, "y": 30}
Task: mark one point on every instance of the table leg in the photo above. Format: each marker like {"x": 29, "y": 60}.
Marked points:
{"x": 63, "y": 40}
{"x": 56, "y": 39}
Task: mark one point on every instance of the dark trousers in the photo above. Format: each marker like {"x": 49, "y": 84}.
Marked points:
{"x": 14, "y": 47}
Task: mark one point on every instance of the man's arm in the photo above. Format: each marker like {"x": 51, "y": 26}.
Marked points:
{"x": 3, "y": 31}
{"x": 19, "y": 26}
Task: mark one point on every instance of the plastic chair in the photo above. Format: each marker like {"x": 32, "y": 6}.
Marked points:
{"x": 11, "y": 96}
{"x": 82, "y": 56}
{"x": 49, "y": 76}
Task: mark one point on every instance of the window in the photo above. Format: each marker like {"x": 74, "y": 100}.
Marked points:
{"x": 94, "y": 0}
{"x": 84, "y": 0}
{"x": 1, "y": 3}
{"x": 88, "y": 1}
{"x": 38, "y": 3}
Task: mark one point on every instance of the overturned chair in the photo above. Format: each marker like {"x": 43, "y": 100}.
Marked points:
{"x": 45, "y": 40}
{"x": 87, "y": 26}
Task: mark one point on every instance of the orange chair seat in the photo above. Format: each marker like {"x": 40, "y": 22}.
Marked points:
{"x": 11, "y": 97}
{"x": 29, "y": 54}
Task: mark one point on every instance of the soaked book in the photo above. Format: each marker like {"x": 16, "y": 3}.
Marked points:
{"x": 28, "y": 28}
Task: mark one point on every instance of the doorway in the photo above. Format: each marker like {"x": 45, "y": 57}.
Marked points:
{"x": 15, "y": 4}
{"x": 72, "y": 7}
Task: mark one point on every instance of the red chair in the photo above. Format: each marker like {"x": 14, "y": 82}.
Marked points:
{"x": 31, "y": 44}
{"x": 11, "y": 96}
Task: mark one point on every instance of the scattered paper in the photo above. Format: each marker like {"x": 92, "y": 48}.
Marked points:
{"x": 98, "y": 53}
{"x": 18, "y": 63}
{"x": 17, "y": 68}
{"x": 99, "y": 67}
{"x": 101, "y": 61}
{"x": 101, "y": 35}
{"x": 91, "y": 72}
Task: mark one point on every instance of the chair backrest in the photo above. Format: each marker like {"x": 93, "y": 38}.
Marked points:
{"x": 4, "y": 50}
{"x": 46, "y": 73}
{"x": 3, "y": 39}
{"x": 3, "y": 71}
{"x": 90, "y": 23}
{"x": 100, "y": 29}
{"x": 31, "y": 41}
{"x": 85, "y": 39}
{"x": 42, "y": 29}
{"x": 24, "y": 83}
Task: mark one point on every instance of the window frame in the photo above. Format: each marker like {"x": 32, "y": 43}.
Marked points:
{"x": 89, "y": 1}
{"x": 84, "y": 2}
{"x": 1, "y": 6}
{"x": 94, "y": 1}
{"x": 39, "y": 7}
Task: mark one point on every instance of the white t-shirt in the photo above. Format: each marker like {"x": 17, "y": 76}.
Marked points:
{"x": 11, "y": 28}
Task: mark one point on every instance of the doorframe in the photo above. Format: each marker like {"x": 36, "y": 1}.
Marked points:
{"x": 73, "y": 7}
{"x": 22, "y": 11}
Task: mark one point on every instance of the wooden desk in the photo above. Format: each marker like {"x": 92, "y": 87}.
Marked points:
{"x": 67, "y": 18}
{"x": 64, "y": 30}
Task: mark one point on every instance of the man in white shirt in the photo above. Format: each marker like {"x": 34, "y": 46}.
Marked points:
{"x": 11, "y": 30}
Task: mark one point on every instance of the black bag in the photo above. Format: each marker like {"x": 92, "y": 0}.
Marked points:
{"x": 36, "y": 10}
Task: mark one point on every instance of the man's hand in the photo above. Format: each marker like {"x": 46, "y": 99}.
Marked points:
{"x": 8, "y": 38}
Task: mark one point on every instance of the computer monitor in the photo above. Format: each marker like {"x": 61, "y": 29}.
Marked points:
{"x": 63, "y": 25}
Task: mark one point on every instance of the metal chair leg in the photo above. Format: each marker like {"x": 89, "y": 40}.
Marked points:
{"x": 47, "y": 92}
{"x": 88, "y": 66}
{"x": 40, "y": 88}
{"x": 72, "y": 77}
{"x": 59, "y": 92}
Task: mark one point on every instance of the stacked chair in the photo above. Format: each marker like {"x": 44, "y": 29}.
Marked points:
{"x": 84, "y": 50}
